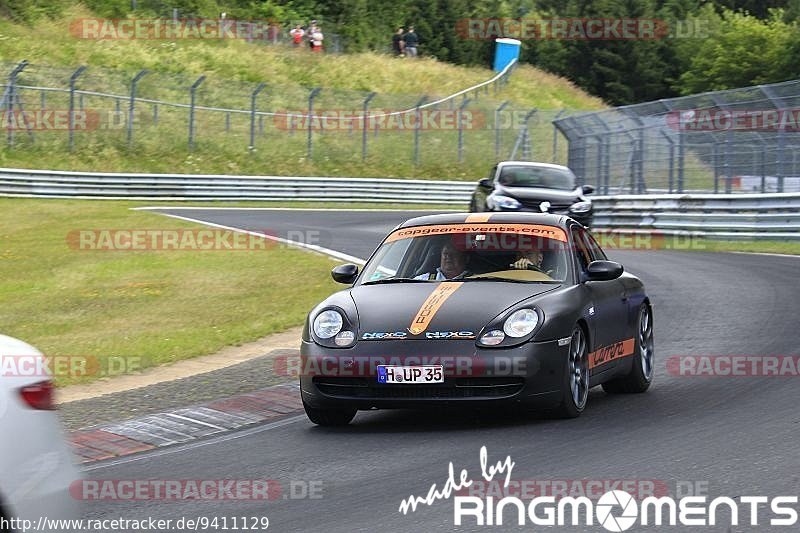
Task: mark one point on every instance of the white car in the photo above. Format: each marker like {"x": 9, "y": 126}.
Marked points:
{"x": 36, "y": 465}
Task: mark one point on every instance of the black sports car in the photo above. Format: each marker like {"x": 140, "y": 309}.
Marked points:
{"x": 496, "y": 307}
{"x": 537, "y": 187}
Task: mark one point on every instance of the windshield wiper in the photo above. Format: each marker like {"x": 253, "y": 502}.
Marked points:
{"x": 395, "y": 280}
{"x": 509, "y": 280}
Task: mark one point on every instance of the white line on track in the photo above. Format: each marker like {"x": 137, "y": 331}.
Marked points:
{"x": 326, "y": 251}
{"x": 199, "y": 444}
{"x": 768, "y": 254}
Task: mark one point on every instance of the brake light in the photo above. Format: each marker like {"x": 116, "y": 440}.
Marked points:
{"x": 39, "y": 395}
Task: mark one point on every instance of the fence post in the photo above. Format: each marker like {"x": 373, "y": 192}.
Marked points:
{"x": 417, "y": 127}
{"x": 192, "y": 101}
{"x": 310, "y": 142}
{"x": 461, "y": 129}
{"x": 497, "y": 112}
{"x": 155, "y": 114}
{"x": 555, "y": 134}
{"x": 72, "y": 80}
{"x": 253, "y": 97}
{"x": 9, "y": 99}
{"x": 132, "y": 104}
{"x": 526, "y": 138}
{"x": 365, "y": 125}
{"x": 715, "y": 162}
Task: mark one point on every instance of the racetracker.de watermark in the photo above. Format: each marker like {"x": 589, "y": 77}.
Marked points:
{"x": 54, "y": 120}
{"x": 581, "y": 29}
{"x": 70, "y": 366}
{"x": 381, "y": 119}
{"x": 173, "y": 29}
{"x": 192, "y": 239}
{"x": 765, "y": 120}
{"x": 734, "y": 365}
{"x": 457, "y": 366}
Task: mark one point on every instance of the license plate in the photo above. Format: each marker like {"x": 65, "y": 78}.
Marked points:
{"x": 411, "y": 374}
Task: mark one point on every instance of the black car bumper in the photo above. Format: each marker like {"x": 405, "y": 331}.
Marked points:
{"x": 531, "y": 374}
{"x": 585, "y": 219}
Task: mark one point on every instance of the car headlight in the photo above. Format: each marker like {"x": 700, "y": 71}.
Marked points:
{"x": 580, "y": 207}
{"x": 328, "y": 323}
{"x": 505, "y": 202}
{"x": 521, "y": 323}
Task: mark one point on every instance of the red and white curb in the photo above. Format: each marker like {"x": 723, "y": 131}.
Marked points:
{"x": 187, "y": 424}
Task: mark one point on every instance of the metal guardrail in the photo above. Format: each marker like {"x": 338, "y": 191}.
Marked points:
{"x": 740, "y": 216}
{"x": 57, "y": 184}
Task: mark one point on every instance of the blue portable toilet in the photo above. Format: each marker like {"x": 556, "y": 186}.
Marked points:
{"x": 505, "y": 51}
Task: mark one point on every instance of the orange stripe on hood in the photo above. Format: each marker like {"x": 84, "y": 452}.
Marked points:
{"x": 478, "y": 217}
{"x": 431, "y": 306}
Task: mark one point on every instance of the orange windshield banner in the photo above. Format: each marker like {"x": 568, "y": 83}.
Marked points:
{"x": 431, "y": 306}
{"x": 550, "y": 232}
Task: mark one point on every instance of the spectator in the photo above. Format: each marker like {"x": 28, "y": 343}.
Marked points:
{"x": 310, "y": 33}
{"x": 411, "y": 41}
{"x": 397, "y": 42}
{"x": 297, "y": 35}
{"x": 316, "y": 39}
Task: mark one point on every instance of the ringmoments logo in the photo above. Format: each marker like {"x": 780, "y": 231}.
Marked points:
{"x": 616, "y": 510}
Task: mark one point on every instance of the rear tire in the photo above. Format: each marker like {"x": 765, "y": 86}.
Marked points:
{"x": 329, "y": 417}
{"x": 575, "y": 388}
{"x": 642, "y": 369}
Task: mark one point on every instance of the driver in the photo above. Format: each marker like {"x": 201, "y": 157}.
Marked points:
{"x": 530, "y": 260}
{"x": 452, "y": 263}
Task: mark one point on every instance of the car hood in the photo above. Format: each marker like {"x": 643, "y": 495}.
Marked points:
{"x": 536, "y": 193}
{"x": 419, "y": 309}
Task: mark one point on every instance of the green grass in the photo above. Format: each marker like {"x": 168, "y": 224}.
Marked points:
{"x": 772, "y": 247}
{"x": 232, "y": 69}
{"x": 161, "y": 306}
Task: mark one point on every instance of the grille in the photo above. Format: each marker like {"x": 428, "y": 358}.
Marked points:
{"x": 451, "y": 388}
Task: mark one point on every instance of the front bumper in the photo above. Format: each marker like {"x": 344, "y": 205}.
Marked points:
{"x": 585, "y": 219}
{"x": 530, "y": 374}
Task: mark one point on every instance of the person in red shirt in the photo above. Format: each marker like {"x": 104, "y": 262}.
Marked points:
{"x": 297, "y": 35}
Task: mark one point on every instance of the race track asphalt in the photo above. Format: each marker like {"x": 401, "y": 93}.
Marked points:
{"x": 737, "y": 435}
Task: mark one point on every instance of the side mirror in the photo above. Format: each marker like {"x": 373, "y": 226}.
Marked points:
{"x": 485, "y": 182}
{"x": 603, "y": 271}
{"x": 345, "y": 273}
{"x": 588, "y": 189}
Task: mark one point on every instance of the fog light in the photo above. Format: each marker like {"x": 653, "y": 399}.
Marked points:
{"x": 344, "y": 338}
{"x": 493, "y": 337}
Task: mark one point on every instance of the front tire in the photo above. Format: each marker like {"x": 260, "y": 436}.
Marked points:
{"x": 642, "y": 369}
{"x": 575, "y": 389}
{"x": 329, "y": 417}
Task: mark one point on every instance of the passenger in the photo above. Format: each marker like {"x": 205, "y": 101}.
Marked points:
{"x": 452, "y": 263}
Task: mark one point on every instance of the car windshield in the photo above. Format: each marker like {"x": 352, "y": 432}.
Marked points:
{"x": 533, "y": 176}
{"x": 463, "y": 252}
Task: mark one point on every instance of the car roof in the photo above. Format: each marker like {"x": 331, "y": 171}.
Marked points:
{"x": 546, "y": 219}
{"x": 532, "y": 164}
